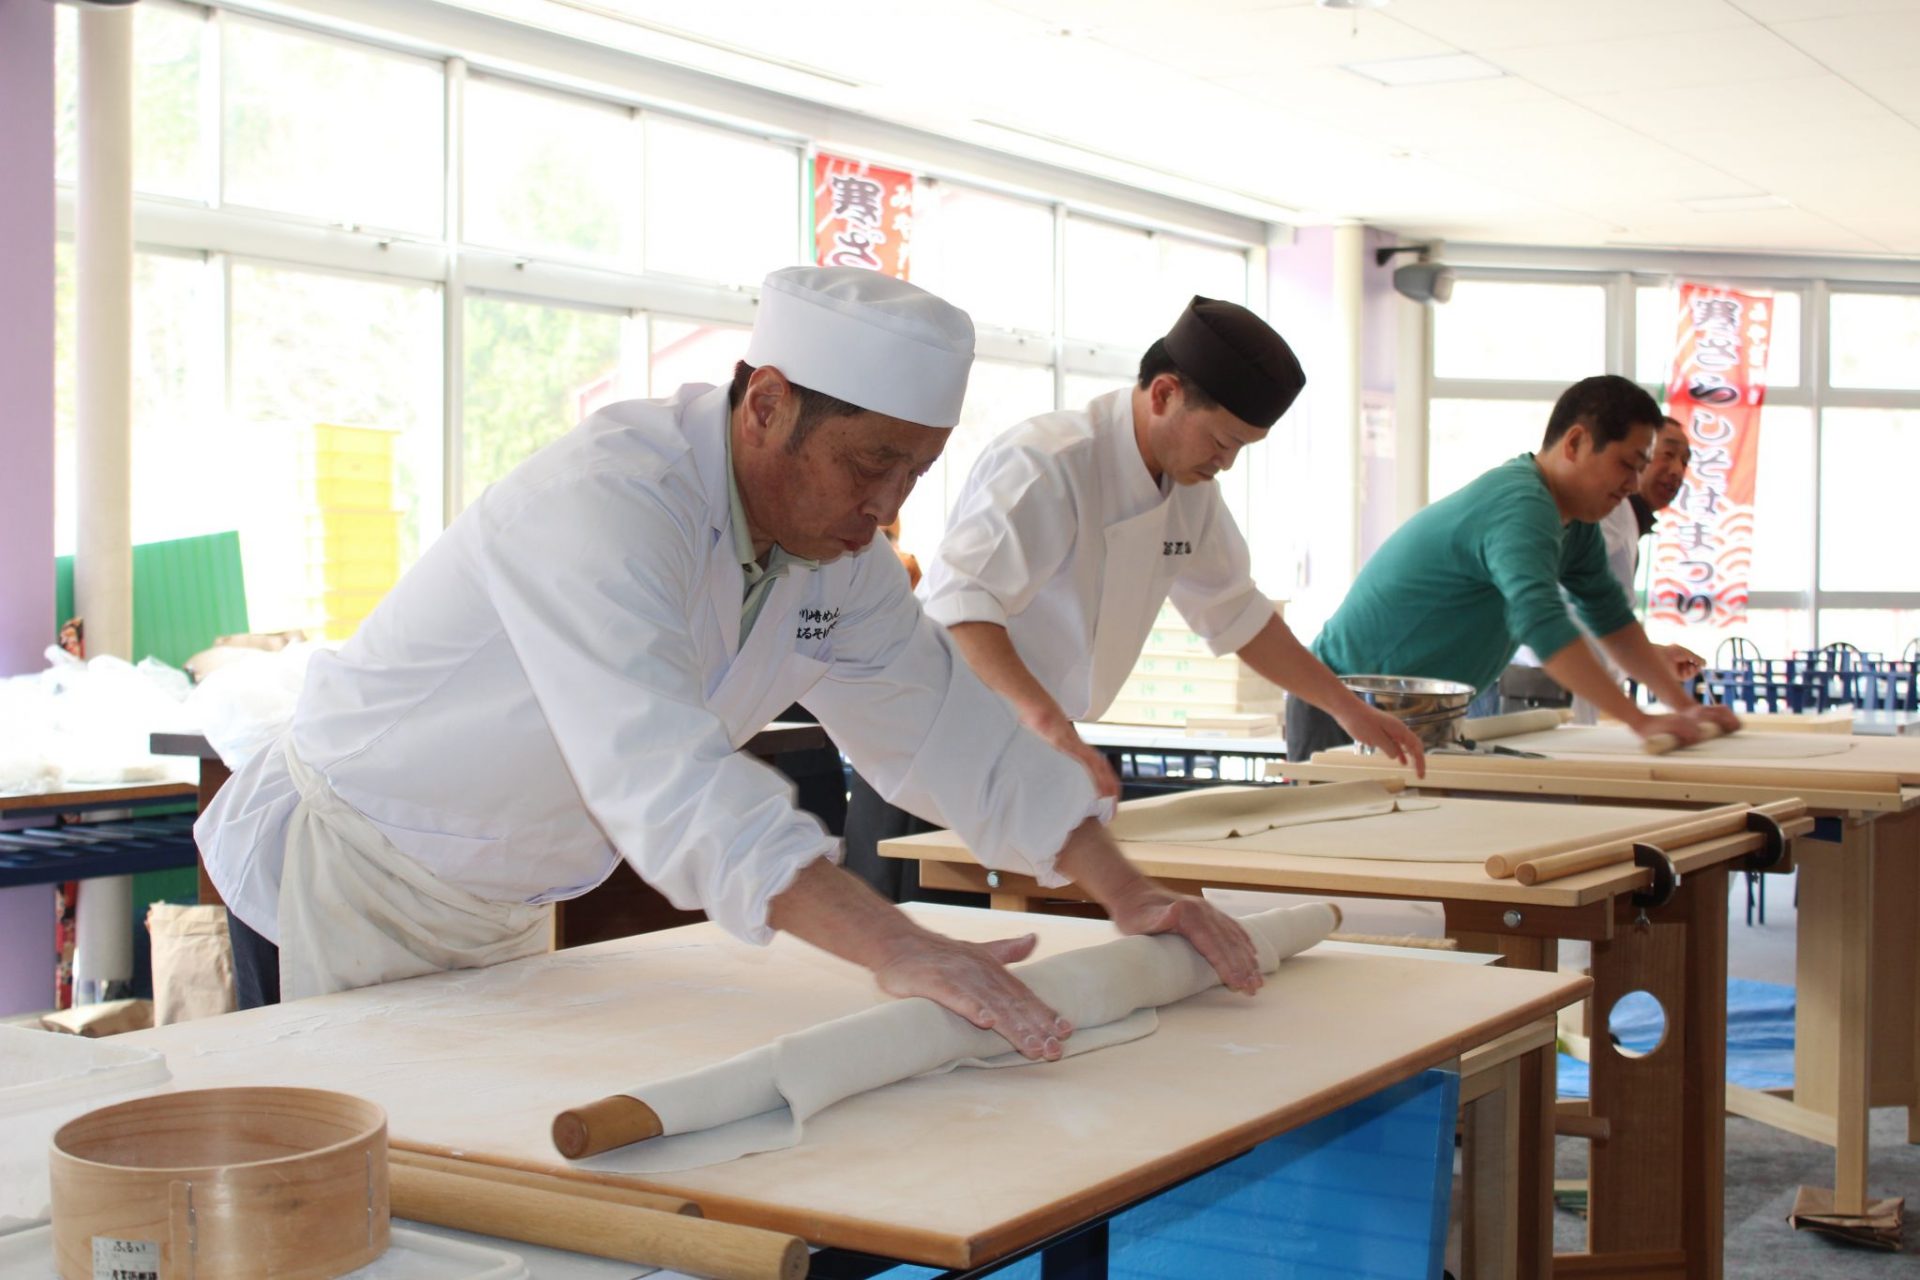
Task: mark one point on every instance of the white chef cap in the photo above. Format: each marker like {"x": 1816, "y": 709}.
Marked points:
{"x": 859, "y": 336}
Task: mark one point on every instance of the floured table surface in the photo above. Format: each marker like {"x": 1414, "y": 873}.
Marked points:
{"x": 1435, "y": 851}
{"x": 946, "y": 1170}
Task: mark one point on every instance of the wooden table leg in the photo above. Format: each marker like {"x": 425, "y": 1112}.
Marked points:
{"x": 1833, "y": 1051}
{"x": 1490, "y": 1187}
{"x": 213, "y": 776}
{"x": 1637, "y": 1197}
{"x": 1704, "y": 1142}
{"x": 1534, "y": 1167}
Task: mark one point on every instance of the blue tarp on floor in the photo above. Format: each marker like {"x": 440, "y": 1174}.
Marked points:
{"x": 1759, "y": 1036}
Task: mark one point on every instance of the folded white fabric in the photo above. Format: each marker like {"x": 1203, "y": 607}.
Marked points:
{"x": 759, "y": 1100}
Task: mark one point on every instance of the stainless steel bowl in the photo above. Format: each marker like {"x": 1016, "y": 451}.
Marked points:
{"x": 1433, "y": 709}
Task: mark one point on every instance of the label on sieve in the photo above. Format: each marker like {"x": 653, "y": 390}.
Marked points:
{"x": 125, "y": 1259}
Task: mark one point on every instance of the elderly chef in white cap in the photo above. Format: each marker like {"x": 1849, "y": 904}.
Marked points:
{"x": 566, "y": 677}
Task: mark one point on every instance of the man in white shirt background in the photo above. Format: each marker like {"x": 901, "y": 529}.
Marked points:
{"x": 1074, "y": 528}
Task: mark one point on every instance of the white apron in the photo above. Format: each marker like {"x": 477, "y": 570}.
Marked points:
{"x": 354, "y": 911}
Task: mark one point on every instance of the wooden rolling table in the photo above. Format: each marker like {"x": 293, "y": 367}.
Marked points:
{"x": 1658, "y": 1174}
{"x": 1857, "y": 1009}
{"x": 621, "y": 905}
{"x": 952, "y": 1170}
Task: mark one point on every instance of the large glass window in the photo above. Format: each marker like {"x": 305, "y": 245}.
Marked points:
{"x": 999, "y": 396}
{"x": 1893, "y": 634}
{"x": 1868, "y": 459}
{"x": 1521, "y": 331}
{"x": 720, "y": 205}
{"x": 177, "y": 427}
{"x": 1776, "y": 633}
{"x": 1783, "y": 501}
{"x": 1468, "y": 437}
{"x": 322, "y": 383}
{"x": 1079, "y": 388}
{"x": 990, "y": 255}
{"x": 335, "y": 398}
{"x": 1875, "y": 338}
{"x": 328, "y": 130}
{"x": 1126, "y": 287}
{"x": 547, "y": 172}
{"x": 1656, "y": 329}
{"x": 687, "y": 351}
{"x": 169, "y": 147}
{"x": 532, "y": 372}
{"x": 1108, "y": 267}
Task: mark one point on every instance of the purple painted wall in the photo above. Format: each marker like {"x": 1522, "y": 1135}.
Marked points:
{"x": 26, "y": 430}
{"x": 1379, "y": 356}
{"x": 26, "y": 333}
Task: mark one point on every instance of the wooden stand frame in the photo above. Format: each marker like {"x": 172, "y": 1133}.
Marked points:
{"x": 1857, "y": 963}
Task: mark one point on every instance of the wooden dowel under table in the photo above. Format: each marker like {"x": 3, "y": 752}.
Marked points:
{"x": 644, "y": 1237}
{"x": 544, "y": 1181}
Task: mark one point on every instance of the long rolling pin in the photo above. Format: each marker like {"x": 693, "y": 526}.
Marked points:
{"x": 544, "y": 1181}
{"x": 1661, "y": 743}
{"x": 626, "y": 1233}
{"x": 1561, "y": 865}
{"x": 1502, "y": 866}
{"x": 601, "y": 1126}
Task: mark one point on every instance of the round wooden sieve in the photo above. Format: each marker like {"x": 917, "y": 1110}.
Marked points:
{"x": 220, "y": 1184}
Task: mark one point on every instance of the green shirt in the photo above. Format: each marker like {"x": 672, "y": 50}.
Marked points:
{"x": 759, "y": 581}
{"x": 1467, "y": 581}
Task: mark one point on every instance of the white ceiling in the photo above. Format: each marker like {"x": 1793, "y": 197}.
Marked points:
{"x": 1613, "y": 119}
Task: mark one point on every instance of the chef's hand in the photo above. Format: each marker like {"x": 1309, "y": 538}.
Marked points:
{"x": 1686, "y": 664}
{"x": 1217, "y": 936}
{"x": 1374, "y": 728}
{"x": 1721, "y": 716}
{"x": 971, "y": 979}
{"x": 1685, "y": 728}
{"x": 1064, "y": 737}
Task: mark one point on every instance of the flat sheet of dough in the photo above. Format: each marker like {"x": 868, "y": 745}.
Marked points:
{"x": 760, "y": 1100}
{"x": 1221, "y": 813}
{"x": 1618, "y": 740}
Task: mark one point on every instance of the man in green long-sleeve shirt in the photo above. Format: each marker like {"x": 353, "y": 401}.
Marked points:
{"x": 1467, "y": 581}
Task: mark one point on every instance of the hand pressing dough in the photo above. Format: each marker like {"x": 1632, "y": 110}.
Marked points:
{"x": 760, "y": 1100}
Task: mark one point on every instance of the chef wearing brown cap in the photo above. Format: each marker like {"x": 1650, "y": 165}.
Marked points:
{"x": 1075, "y": 527}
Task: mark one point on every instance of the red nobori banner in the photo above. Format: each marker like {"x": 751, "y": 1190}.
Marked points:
{"x": 1704, "y": 555}
{"x": 862, "y": 215}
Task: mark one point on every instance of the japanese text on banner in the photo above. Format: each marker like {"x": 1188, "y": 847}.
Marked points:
{"x": 1704, "y": 556}
{"x": 862, "y": 215}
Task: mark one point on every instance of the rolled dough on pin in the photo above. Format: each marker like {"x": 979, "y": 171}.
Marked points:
{"x": 761, "y": 1099}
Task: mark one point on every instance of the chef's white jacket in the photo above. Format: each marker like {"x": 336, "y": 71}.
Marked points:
{"x": 1621, "y": 532}
{"x": 560, "y": 682}
{"x": 1062, "y": 536}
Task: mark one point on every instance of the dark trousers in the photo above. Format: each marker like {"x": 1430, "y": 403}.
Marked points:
{"x": 1309, "y": 729}
{"x": 256, "y": 966}
{"x": 870, "y": 819}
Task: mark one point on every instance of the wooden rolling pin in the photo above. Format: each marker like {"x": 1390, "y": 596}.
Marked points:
{"x": 1661, "y": 743}
{"x": 603, "y": 1125}
{"x": 626, "y": 1233}
{"x": 1501, "y": 866}
{"x": 1712, "y": 827}
{"x": 544, "y": 1181}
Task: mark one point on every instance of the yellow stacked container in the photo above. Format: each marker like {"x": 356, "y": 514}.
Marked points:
{"x": 354, "y": 550}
